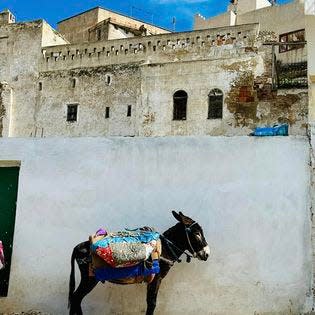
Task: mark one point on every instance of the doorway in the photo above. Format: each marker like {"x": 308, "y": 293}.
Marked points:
{"x": 9, "y": 177}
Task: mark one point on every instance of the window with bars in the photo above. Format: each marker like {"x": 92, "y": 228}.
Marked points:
{"x": 296, "y": 36}
{"x": 72, "y": 112}
{"x": 215, "y": 103}
{"x": 180, "y": 105}
{"x": 292, "y": 75}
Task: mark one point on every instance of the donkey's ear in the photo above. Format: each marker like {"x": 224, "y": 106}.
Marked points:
{"x": 184, "y": 219}
{"x": 177, "y": 216}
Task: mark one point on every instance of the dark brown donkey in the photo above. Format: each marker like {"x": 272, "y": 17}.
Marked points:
{"x": 187, "y": 235}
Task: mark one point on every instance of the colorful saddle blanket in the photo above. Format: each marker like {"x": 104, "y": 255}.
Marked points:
{"x": 125, "y": 248}
{"x": 125, "y": 255}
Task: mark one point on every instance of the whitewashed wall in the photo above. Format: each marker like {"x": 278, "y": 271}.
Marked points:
{"x": 251, "y": 196}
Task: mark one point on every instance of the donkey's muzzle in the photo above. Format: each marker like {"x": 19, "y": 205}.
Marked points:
{"x": 204, "y": 254}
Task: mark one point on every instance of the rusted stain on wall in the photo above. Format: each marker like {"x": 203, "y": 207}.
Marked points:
{"x": 253, "y": 102}
{"x": 242, "y": 100}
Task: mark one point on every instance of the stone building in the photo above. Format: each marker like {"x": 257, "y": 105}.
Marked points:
{"x": 105, "y": 74}
{"x": 99, "y": 24}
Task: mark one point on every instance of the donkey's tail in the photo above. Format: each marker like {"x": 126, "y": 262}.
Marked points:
{"x": 72, "y": 279}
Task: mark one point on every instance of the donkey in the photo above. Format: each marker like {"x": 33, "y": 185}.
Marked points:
{"x": 186, "y": 237}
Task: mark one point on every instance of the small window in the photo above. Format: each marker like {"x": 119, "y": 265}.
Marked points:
{"x": 180, "y": 105}
{"x": 72, "y": 113}
{"x": 129, "y": 111}
{"x": 107, "y": 112}
{"x": 40, "y": 86}
{"x": 215, "y": 109}
{"x": 108, "y": 79}
{"x": 73, "y": 83}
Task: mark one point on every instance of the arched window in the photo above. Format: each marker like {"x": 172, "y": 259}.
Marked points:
{"x": 180, "y": 105}
{"x": 215, "y": 109}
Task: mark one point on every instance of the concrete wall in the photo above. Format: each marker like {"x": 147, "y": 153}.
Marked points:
{"x": 225, "y": 19}
{"x": 244, "y": 6}
{"x": 251, "y": 199}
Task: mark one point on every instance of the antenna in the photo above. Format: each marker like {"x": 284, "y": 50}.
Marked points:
{"x": 174, "y": 23}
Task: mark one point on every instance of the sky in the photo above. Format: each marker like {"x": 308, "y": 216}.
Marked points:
{"x": 161, "y": 12}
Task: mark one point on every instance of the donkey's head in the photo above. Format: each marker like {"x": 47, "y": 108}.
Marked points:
{"x": 193, "y": 236}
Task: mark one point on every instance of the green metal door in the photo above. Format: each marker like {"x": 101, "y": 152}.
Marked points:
{"x": 8, "y": 195}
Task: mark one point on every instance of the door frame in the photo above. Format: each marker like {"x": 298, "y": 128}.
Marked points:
{"x": 12, "y": 164}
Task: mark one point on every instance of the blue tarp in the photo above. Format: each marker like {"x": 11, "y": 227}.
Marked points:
{"x": 108, "y": 273}
{"x": 277, "y": 130}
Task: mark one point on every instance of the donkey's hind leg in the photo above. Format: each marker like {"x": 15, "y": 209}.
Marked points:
{"x": 86, "y": 285}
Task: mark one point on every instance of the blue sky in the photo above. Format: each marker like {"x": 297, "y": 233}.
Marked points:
{"x": 162, "y": 11}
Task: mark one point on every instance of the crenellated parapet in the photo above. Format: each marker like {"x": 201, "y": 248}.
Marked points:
{"x": 224, "y": 42}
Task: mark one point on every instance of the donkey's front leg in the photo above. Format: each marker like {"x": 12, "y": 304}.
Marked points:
{"x": 152, "y": 292}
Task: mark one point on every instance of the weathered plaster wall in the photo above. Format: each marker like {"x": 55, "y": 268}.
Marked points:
{"x": 196, "y": 62}
{"x": 251, "y": 196}
{"x": 145, "y": 74}
{"x": 185, "y": 46}
{"x": 6, "y": 98}
{"x": 93, "y": 95}
{"x": 20, "y": 58}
